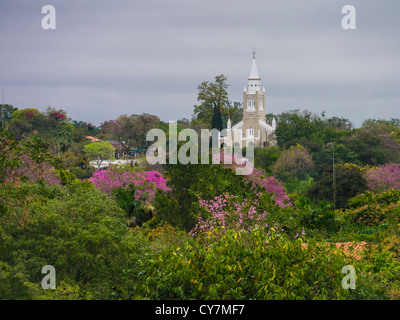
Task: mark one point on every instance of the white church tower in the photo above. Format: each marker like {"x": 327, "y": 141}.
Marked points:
{"x": 253, "y": 127}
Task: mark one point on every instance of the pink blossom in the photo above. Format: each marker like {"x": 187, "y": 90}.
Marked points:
{"x": 145, "y": 182}
{"x": 384, "y": 177}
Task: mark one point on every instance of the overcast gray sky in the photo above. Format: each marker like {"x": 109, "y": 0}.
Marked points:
{"x": 108, "y": 58}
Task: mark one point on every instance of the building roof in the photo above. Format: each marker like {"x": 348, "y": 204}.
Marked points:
{"x": 254, "y": 71}
{"x": 93, "y": 139}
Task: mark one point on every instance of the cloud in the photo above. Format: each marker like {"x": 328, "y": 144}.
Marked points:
{"x": 108, "y": 58}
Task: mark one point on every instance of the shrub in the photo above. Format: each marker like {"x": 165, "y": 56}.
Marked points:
{"x": 66, "y": 177}
{"x": 384, "y": 198}
{"x": 375, "y": 210}
{"x": 382, "y": 267}
{"x": 322, "y": 217}
{"x": 251, "y": 265}
{"x": 370, "y": 215}
{"x": 192, "y": 183}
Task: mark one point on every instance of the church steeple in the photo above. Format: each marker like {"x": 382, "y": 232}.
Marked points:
{"x": 254, "y": 72}
{"x": 254, "y": 78}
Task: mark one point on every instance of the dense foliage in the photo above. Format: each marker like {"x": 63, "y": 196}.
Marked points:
{"x": 325, "y": 197}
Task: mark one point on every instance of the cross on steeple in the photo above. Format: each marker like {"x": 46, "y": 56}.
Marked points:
{"x": 254, "y": 54}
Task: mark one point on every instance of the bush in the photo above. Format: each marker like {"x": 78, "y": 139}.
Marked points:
{"x": 384, "y": 198}
{"x": 239, "y": 265}
{"x": 189, "y": 184}
{"x": 373, "y": 209}
{"x": 382, "y": 267}
{"x": 298, "y": 188}
{"x": 65, "y": 176}
{"x": 322, "y": 217}
{"x": 271, "y": 185}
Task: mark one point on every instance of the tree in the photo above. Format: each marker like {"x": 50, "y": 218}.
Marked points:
{"x": 384, "y": 177}
{"x": 265, "y": 158}
{"x": 85, "y": 234}
{"x": 349, "y": 182}
{"x": 339, "y": 123}
{"x": 374, "y": 145}
{"x": 392, "y": 123}
{"x": 56, "y": 115}
{"x": 85, "y": 128}
{"x": 310, "y": 130}
{"x": 297, "y": 127}
{"x": 130, "y": 131}
{"x": 64, "y": 140}
{"x": 25, "y": 159}
{"x": 216, "y": 122}
{"x": 342, "y": 155}
{"x": 214, "y": 99}
{"x": 233, "y": 111}
{"x": 142, "y": 124}
{"x": 296, "y": 162}
{"x": 184, "y": 123}
{"x": 99, "y": 151}
{"x": 6, "y": 112}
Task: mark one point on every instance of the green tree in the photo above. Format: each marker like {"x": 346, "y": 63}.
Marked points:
{"x": 76, "y": 229}
{"x": 214, "y": 100}
{"x": 6, "y": 112}
{"x": 310, "y": 130}
{"x": 339, "y": 123}
{"x": 348, "y": 183}
{"x": 233, "y": 111}
{"x": 99, "y": 151}
{"x": 374, "y": 145}
{"x": 342, "y": 155}
{"x": 295, "y": 127}
{"x": 265, "y": 158}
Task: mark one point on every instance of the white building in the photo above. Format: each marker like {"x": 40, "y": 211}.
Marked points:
{"x": 253, "y": 128}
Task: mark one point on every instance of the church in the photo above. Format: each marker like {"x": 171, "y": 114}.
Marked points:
{"x": 253, "y": 129}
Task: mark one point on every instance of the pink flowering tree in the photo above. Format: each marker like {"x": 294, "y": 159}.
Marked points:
{"x": 383, "y": 178}
{"x": 233, "y": 212}
{"x": 257, "y": 179}
{"x": 265, "y": 197}
{"x": 270, "y": 185}
{"x": 30, "y": 172}
{"x": 145, "y": 183}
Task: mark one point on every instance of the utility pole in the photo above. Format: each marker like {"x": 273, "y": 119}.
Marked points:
{"x": 334, "y": 177}
{"x": 2, "y": 109}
